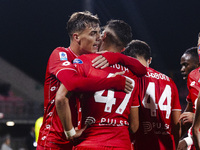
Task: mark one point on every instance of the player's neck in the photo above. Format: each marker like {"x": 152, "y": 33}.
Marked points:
{"x": 75, "y": 48}
{"x": 110, "y": 48}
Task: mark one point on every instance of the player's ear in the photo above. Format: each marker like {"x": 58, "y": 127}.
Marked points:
{"x": 76, "y": 37}
{"x": 149, "y": 60}
{"x": 104, "y": 36}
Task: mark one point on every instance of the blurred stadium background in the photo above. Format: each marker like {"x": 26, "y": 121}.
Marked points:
{"x": 31, "y": 29}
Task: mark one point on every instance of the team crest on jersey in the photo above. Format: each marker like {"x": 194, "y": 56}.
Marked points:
{"x": 63, "y": 56}
{"x": 77, "y": 61}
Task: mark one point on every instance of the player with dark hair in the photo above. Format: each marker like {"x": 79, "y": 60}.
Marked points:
{"x": 159, "y": 105}
{"x": 108, "y": 110}
{"x": 189, "y": 61}
{"x": 83, "y": 29}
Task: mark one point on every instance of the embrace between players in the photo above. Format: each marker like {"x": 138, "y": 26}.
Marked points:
{"x": 115, "y": 101}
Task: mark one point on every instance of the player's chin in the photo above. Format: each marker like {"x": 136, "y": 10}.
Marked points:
{"x": 94, "y": 49}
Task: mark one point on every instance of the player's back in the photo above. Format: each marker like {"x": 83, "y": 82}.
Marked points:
{"x": 158, "y": 97}
{"x": 108, "y": 110}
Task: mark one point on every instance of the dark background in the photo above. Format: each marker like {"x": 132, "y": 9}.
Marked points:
{"x": 31, "y": 29}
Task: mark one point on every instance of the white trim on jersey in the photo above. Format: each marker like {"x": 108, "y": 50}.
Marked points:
{"x": 65, "y": 69}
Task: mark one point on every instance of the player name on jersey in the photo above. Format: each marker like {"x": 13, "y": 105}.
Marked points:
{"x": 157, "y": 76}
{"x": 120, "y": 67}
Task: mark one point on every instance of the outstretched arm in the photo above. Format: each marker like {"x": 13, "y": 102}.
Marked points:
{"x": 75, "y": 82}
{"x": 133, "y": 64}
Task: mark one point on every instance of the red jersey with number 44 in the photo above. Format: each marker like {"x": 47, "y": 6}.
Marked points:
{"x": 107, "y": 110}
{"x": 158, "y": 98}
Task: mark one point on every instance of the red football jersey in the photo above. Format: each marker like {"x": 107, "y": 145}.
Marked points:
{"x": 158, "y": 96}
{"x": 108, "y": 110}
{"x": 193, "y": 84}
{"x": 52, "y": 130}
{"x": 60, "y": 68}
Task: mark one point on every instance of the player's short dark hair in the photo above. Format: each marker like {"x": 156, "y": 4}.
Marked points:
{"x": 80, "y": 20}
{"x": 138, "y": 48}
{"x": 122, "y": 30}
{"x": 193, "y": 52}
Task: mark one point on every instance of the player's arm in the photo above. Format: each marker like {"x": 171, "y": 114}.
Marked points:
{"x": 176, "y": 126}
{"x": 134, "y": 119}
{"x": 64, "y": 111}
{"x": 133, "y": 64}
{"x": 75, "y": 82}
{"x": 196, "y": 125}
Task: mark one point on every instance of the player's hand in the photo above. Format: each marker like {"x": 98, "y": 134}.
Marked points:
{"x": 78, "y": 132}
{"x": 100, "y": 62}
{"x": 187, "y": 117}
{"x": 182, "y": 145}
{"x": 128, "y": 85}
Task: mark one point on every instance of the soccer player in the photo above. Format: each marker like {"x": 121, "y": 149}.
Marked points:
{"x": 108, "y": 110}
{"x": 189, "y": 61}
{"x": 159, "y": 105}
{"x": 192, "y": 98}
{"x": 196, "y": 124}
{"x": 83, "y": 29}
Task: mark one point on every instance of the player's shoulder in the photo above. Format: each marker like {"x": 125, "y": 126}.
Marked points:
{"x": 194, "y": 73}
{"x": 85, "y": 58}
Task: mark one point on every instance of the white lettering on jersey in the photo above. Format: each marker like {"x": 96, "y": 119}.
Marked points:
{"x": 157, "y": 76}
{"x": 149, "y": 100}
{"x": 120, "y": 67}
{"x": 110, "y": 100}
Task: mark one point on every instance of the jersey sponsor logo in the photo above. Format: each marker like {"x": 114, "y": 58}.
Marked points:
{"x": 113, "y": 122}
{"x": 90, "y": 120}
{"x": 77, "y": 61}
{"x": 192, "y": 83}
{"x": 63, "y": 56}
{"x": 53, "y": 88}
{"x": 157, "y": 127}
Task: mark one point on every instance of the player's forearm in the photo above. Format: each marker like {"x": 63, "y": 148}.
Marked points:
{"x": 74, "y": 82}
{"x": 133, "y": 64}
{"x": 176, "y": 126}
{"x": 63, "y": 108}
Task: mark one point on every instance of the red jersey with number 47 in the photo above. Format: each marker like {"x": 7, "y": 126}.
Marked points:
{"x": 158, "y": 98}
{"x": 107, "y": 110}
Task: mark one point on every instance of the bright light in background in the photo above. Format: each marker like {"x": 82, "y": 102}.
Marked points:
{"x": 10, "y": 123}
